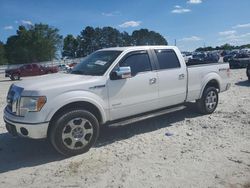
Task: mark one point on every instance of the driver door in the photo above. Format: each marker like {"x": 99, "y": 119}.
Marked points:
{"x": 137, "y": 94}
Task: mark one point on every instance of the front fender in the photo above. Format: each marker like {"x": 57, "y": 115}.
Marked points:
{"x": 77, "y": 96}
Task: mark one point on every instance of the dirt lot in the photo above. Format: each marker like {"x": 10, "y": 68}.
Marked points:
{"x": 181, "y": 149}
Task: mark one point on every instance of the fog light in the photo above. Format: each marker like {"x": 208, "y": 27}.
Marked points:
{"x": 24, "y": 131}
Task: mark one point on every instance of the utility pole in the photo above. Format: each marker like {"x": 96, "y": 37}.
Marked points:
{"x": 175, "y": 42}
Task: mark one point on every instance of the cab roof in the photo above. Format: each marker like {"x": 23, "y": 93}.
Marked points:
{"x": 137, "y": 48}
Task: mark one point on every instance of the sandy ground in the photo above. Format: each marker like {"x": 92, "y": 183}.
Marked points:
{"x": 199, "y": 151}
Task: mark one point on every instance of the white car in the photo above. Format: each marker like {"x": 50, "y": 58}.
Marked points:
{"x": 113, "y": 86}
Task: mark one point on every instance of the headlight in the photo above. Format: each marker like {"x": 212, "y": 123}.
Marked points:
{"x": 31, "y": 104}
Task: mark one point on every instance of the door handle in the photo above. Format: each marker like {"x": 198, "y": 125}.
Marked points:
{"x": 152, "y": 81}
{"x": 181, "y": 76}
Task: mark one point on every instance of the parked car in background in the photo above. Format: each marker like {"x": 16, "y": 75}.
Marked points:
{"x": 239, "y": 61}
{"x": 212, "y": 57}
{"x": 229, "y": 56}
{"x": 29, "y": 70}
{"x": 71, "y": 66}
{"x": 63, "y": 67}
{"x": 225, "y": 52}
{"x": 199, "y": 56}
{"x": 187, "y": 56}
{"x": 245, "y": 51}
{"x": 203, "y": 58}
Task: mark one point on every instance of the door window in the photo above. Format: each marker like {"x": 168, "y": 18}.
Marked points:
{"x": 138, "y": 62}
{"x": 28, "y": 67}
{"x": 167, "y": 59}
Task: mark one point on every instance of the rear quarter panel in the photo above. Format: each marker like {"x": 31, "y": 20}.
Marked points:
{"x": 200, "y": 75}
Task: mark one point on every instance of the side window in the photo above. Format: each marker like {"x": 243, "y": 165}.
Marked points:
{"x": 138, "y": 62}
{"x": 27, "y": 67}
{"x": 167, "y": 59}
{"x": 35, "y": 66}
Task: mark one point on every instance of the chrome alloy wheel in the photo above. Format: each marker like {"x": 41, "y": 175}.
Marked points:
{"x": 77, "y": 133}
{"x": 211, "y": 100}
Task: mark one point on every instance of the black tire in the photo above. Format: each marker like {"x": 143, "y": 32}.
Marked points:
{"x": 248, "y": 72}
{"x": 209, "y": 101}
{"x": 62, "y": 124}
{"x": 15, "y": 77}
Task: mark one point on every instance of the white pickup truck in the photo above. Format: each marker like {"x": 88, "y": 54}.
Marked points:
{"x": 113, "y": 86}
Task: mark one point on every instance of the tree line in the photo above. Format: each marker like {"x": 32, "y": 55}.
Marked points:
{"x": 92, "y": 39}
{"x": 41, "y": 42}
{"x": 222, "y": 47}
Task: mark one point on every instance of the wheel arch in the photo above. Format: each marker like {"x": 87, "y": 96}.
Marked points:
{"x": 214, "y": 82}
{"x": 77, "y": 104}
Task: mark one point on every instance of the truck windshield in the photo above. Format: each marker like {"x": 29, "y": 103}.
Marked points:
{"x": 96, "y": 63}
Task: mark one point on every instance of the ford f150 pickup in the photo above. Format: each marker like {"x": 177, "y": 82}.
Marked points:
{"x": 113, "y": 86}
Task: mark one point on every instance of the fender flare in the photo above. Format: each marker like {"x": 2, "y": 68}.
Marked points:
{"x": 208, "y": 78}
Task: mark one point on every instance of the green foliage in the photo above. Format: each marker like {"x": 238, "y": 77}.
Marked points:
{"x": 70, "y": 45}
{"x": 146, "y": 37}
{"x": 92, "y": 39}
{"x": 3, "y": 59}
{"x": 34, "y": 44}
{"x": 222, "y": 47}
{"x": 41, "y": 42}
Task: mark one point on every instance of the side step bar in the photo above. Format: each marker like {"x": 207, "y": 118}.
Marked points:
{"x": 145, "y": 116}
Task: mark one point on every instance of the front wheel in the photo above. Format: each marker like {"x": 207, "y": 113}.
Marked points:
{"x": 15, "y": 77}
{"x": 209, "y": 101}
{"x": 74, "y": 132}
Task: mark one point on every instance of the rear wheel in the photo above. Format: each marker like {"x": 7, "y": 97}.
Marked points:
{"x": 209, "y": 101}
{"x": 74, "y": 132}
{"x": 248, "y": 72}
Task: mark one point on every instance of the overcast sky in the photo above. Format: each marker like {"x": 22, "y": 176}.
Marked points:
{"x": 193, "y": 23}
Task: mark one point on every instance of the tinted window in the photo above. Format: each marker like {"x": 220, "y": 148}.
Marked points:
{"x": 27, "y": 67}
{"x": 167, "y": 59}
{"x": 137, "y": 62}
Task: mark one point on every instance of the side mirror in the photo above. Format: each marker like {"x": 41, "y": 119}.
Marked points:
{"x": 121, "y": 73}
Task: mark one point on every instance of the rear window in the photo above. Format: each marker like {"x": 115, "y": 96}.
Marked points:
{"x": 167, "y": 59}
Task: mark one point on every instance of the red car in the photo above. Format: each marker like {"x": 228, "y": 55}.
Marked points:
{"x": 29, "y": 70}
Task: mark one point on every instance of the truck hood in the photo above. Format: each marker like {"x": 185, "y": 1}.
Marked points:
{"x": 10, "y": 70}
{"x": 61, "y": 82}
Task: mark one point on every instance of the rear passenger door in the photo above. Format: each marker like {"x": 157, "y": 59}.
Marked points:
{"x": 172, "y": 78}
{"x": 36, "y": 70}
{"x": 137, "y": 94}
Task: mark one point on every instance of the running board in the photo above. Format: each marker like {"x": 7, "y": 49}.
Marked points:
{"x": 144, "y": 117}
